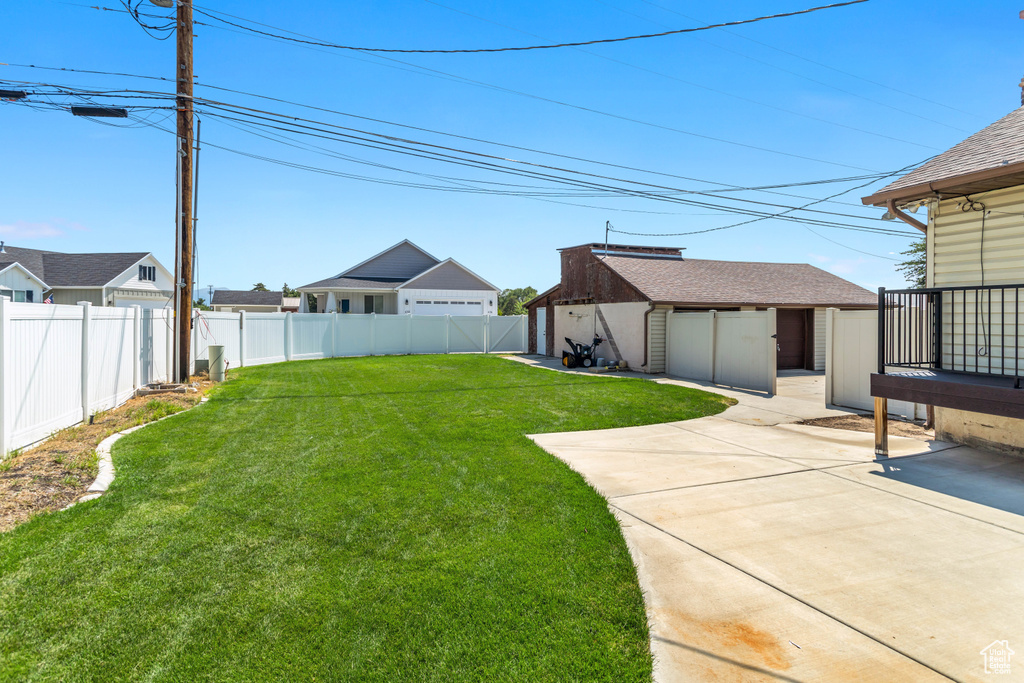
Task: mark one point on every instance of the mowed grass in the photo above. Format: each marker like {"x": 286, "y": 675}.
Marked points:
{"x": 366, "y": 519}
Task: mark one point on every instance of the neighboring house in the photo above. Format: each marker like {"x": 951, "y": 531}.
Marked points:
{"x": 962, "y": 349}
{"x": 404, "y": 279}
{"x": 117, "y": 279}
{"x": 291, "y": 304}
{"x": 624, "y": 293}
{"x": 250, "y": 301}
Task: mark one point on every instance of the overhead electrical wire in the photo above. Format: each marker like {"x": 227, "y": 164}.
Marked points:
{"x": 726, "y": 186}
{"x": 436, "y": 73}
{"x": 212, "y": 14}
{"x": 496, "y": 164}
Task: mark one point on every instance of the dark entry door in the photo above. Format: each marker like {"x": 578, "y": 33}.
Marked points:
{"x": 791, "y": 328}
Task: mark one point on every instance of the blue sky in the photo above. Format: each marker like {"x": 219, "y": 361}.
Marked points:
{"x": 868, "y": 88}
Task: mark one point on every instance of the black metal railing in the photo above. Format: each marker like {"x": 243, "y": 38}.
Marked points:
{"x": 974, "y": 330}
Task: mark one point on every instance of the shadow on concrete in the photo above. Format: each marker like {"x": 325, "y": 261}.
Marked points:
{"x": 990, "y": 479}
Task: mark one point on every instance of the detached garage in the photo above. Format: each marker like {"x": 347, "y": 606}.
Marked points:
{"x": 625, "y": 294}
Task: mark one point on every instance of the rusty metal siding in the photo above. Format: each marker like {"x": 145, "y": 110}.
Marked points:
{"x": 585, "y": 277}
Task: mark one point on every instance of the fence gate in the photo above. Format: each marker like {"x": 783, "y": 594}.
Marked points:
{"x": 732, "y": 348}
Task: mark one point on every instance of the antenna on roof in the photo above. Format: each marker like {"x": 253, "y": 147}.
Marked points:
{"x": 607, "y": 227}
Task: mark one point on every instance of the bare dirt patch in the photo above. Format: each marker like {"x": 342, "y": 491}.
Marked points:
{"x": 866, "y": 423}
{"x": 58, "y": 471}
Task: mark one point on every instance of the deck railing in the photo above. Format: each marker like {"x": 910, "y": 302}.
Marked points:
{"x": 975, "y": 330}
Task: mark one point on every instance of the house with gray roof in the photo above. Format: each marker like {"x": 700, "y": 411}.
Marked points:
{"x": 404, "y": 279}
{"x": 626, "y": 292}
{"x": 103, "y": 279}
{"x": 250, "y": 301}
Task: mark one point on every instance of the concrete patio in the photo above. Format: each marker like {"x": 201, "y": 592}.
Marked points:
{"x": 773, "y": 551}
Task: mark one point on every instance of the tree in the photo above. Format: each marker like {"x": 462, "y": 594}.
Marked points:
{"x": 510, "y": 301}
{"x": 200, "y": 303}
{"x": 260, "y": 287}
{"x": 288, "y": 291}
{"x": 915, "y": 268}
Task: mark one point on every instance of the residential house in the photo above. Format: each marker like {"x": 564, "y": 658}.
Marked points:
{"x": 404, "y": 279}
{"x": 103, "y": 279}
{"x": 250, "y": 301}
{"x": 624, "y": 293}
{"x": 957, "y": 344}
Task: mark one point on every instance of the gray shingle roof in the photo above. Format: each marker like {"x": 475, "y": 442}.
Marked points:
{"x": 998, "y": 145}
{"x": 241, "y": 297}
{"x": 71, "y": 270}
{"x": 702, "y": 282}
{"x": 355, "y": 283}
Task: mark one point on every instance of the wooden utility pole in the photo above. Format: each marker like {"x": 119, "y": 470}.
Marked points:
{"x": 184, "y": 105}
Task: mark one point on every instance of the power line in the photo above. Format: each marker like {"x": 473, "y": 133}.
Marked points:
{"x": 436, "y": 73}
{"x": 212, "y": 14}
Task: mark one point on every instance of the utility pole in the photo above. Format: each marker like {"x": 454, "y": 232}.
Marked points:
{"x": 184, "y": 71}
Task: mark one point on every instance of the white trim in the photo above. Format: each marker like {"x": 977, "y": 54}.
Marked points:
{"x": 170, "y": 276}
{"x": 27, "y": 272}
{"x": 445, "y": 262}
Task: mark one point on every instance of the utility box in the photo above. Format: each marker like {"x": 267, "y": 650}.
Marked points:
{"x": 217, "y": 364}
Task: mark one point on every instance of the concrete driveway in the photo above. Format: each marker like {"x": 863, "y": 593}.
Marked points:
{"x": 779, "y": 552}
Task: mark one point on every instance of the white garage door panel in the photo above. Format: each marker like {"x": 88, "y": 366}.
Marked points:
{"x": 448, "y": 307}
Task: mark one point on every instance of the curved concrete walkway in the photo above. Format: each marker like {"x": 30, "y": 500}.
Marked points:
{"x": 774, "y": 551}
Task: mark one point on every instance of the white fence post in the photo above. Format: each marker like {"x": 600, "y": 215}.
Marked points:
{"x": 526, "y": 334}
{"x": 334, "y": 334}
{"x": 373, "y": 333}
{"x": 487, "y": 334}
{"x": 86, "y": 317}
{"x": 773, "y": 357}
{"x": 288, "y": 336}
{"x": 136, "y": 346}
{"x": 830, "y": 321}
{"x": 408, "y": 333}
{"x": 168, "y": 314}
{"x": 241, "y": 339}
{"x": 447, "y": 332}
{"x": 4, "y": 336}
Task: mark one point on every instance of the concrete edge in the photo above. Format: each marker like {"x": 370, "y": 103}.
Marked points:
{"x": 106, "y": 474}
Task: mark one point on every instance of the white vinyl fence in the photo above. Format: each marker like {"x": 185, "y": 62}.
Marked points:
{"x": 259, "y": 338}
{"x": 731, "y": 348}
{"x": 851, "y": 355}
{"x": 60, "y": 364}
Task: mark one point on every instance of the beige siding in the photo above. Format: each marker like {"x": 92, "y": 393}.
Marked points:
{"x": 656, "y": 339}
{"x": 956, "y": 241}
{"x": 449, "y": 276}
{"x": 819, "y": 339}
{"x": 73, "y": 296}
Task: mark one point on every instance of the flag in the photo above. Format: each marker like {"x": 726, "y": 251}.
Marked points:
{"x": 48, "y": 300}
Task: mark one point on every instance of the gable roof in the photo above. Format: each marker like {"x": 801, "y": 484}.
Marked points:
{"x": 404, "y": 260}
{"x": 241, "y": 297}
{"x": 990, "y": 159}
{"x": 57, "y": 269}
{"x": 450, "y": 274}
{"x": 734, "y": 283}
{"x": 353, "y": 283}
{"x": 28, "y": 273}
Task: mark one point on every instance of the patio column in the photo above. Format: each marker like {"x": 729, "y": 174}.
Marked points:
{"x": 303, "y": 303}
{"x": 332, "y": 303}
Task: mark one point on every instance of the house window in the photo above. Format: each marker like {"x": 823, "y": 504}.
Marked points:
{"x": 344, "y": 306}
{"x": 373, "y": 303}
{"x": 147, "y": 273}
{"x": 29, "y": 296}
{"x": 19, "y": 295}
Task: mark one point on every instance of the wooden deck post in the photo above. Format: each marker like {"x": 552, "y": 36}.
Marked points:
{"x": 881, "y": 427}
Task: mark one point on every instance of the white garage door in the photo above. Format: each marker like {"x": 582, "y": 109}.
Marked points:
{"x": 448, "y": 307}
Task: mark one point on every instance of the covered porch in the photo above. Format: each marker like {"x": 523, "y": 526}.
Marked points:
{"x": 351, "y": 301}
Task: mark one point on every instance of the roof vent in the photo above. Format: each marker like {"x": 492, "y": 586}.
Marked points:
{"x": 2, "y": 250}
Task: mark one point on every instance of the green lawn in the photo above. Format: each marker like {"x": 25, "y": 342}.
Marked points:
{"x": 377, "y": 519}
